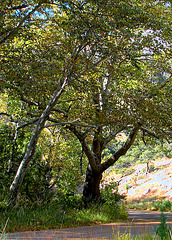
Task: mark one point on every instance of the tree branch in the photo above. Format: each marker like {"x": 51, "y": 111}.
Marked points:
{"x": 28, "y": 123}
{"x": 8, "y": 115}
{"x": 32, "y": 103}
{"x": 30, "y": 150}
{"x": 17, "y": 7}
{"x": 15, "y": 30}
{"x": 87, "y": 150}
{"x": 122, "y": 151}
{"x": 56, "y": 122}
{"x": 145, "y": 130}
{"x": 112, "y": 136}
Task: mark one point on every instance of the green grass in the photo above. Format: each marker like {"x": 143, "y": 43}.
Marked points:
{"x": 128, "y": 236}
{"x": 53, "y": 215}
{"x": 150, "y": 204}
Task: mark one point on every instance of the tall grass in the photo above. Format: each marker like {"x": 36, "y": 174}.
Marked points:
{"x": 53, "y": 215}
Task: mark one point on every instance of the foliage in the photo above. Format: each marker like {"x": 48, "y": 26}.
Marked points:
{"x": 162, "y": 230}
{"x": 63, "y": 153}
{"x": 141, "y": 153}
{"x": 150, "y": 204}
{"x": 37, "y": 180}
{"x": 112, "y": 201}
{"x": 110, "y": 195}
{"x": 8, "y": 154}
{"x": 17, "y": 15}
{"x": 54, "y": 170}
{"x": 163, "y": 205}
{"x": 112, "y": 60}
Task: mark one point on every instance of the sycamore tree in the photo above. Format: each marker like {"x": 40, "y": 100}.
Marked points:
{"x": 98, "y": 68}
{"x": 129, "y": 91}
{"x": 40, "y": 63}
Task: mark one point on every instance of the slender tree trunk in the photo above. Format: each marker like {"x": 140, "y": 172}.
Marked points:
{"x": 91, "y": 191}
{"x": 16, "y": 184}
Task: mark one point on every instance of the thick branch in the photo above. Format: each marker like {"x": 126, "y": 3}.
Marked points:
{"x": 122, "y": 151}
{"x": 87, "y": 150}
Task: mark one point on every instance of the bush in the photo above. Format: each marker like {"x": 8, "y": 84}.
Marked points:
{"x": 110, "y": 195}
{"x": 112, "y": 202}
{"x": 69, "y": 200}
{"x": 36, "y": 185}
{"x": 163, "y": 205}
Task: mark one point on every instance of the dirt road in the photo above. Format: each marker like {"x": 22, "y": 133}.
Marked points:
{"x": 139, "y": 222}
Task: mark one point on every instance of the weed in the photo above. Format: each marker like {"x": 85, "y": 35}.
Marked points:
{"x": 162, "y": 230}
{"x": 128, "y": 236}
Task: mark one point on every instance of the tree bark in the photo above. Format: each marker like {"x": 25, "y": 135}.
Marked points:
{"x": 91, "y": 190}
{"x": 16, "y": 184}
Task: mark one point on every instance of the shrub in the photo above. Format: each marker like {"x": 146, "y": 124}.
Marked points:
{"x": 162, "y": 230}
{"x": 163, "y": 205}
{"x": 112, "y": 202}
{"x": 36, "y": 185}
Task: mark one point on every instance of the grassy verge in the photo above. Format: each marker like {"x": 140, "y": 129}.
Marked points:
{"x": 150, "y": 204}
{"x": 57, "y": 216}
{"x": 54, "y": 216}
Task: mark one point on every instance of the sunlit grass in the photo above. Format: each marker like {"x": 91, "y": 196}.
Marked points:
{"x": 55, "y": 216}
{"x": 150, "y": 204}
{"x": 128, "y": 236}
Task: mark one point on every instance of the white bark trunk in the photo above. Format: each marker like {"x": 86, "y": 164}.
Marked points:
{"x": 15, "y": 186}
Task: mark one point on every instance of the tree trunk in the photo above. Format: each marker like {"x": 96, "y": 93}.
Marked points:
{"x": 16, "y": 184}
{"x": 91, "y": 191}
{"x": 30, "y": 150}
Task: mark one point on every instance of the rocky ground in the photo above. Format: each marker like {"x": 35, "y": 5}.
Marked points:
{"x": 145, "y": 181}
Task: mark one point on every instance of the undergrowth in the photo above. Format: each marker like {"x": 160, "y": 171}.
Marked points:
{"x": 62, "y": 212}
{"x": 150, "y": 204}
{"x": 54, "y": 216}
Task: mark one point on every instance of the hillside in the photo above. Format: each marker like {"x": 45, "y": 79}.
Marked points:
{"x": 142, "y": 181}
